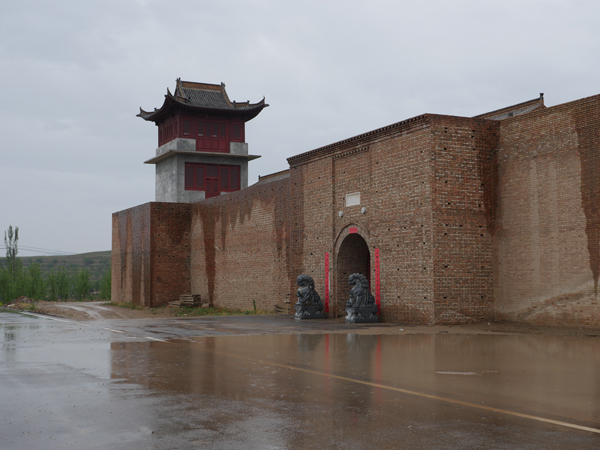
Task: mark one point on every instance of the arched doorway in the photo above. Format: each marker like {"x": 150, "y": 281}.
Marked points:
{"x": 353, "y": 257}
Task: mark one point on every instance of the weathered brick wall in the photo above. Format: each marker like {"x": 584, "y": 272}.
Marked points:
{"x": 390, "y": 170}
{"x": 351, "y": 175}
{"x": 150, "y": 254}
{"x": 130, "y": 257}
{"x": 297, "y": 176}
{"x": 547, "y": 239}
{"x": 473, "y": 219}
{"x": 240, "y": 247}
{"x": 401, "y": 222}
{"x": 463, "y": 204}
{"x": 170, "y": 252}
{"x": 312, "y": 221}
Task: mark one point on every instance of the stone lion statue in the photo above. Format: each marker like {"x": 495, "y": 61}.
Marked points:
{"x": 309, "y": 305}
{"x": 306, "y": 291}
{"x": 360, "y": 296}
{"x": 361, "y": 307}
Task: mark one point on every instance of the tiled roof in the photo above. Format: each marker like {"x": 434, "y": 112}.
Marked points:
{"x": 203, "y": 97}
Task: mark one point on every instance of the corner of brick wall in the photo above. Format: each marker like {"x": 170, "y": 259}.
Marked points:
{"x": 170, "y": 252}
{"x": 463, "y": 215}
{"x": 130, "y": 256}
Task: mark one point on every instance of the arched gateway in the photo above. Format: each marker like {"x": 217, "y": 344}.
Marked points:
{"x": 353, "y": 256}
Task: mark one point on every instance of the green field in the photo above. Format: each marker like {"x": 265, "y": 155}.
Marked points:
{"x": 96, "y": 262}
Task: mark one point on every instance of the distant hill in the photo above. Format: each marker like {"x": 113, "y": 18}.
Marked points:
{"x": 96, "y": 262}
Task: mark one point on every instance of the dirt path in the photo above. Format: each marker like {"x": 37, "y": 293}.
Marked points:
{"x": 86, "y": 310}
{"x": 91, "y": 311}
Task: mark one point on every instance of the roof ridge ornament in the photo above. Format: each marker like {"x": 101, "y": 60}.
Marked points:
{"x": 224, "y": 92}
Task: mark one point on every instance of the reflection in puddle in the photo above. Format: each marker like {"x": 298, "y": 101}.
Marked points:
{"x": 478, "y": 374}
{"x": 511, "y": 372}
{"x": 14, "y": 327}
{"x": 338, "y": 391}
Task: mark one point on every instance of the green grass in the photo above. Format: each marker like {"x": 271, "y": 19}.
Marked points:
{"x": 195, "y": 312}
{"x": 126, "y": 305}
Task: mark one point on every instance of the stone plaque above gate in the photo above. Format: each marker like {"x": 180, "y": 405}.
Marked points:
{"x": 353, "y": 199}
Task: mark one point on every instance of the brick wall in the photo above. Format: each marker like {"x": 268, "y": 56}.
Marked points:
{"x": 312, "y": 220}
{"x": 546, "y": 245}
{"x": 463, "y": 217}
{"x": 391, "y": 171}
{"x": 170, "y": 252}
{"x": 130, "y": 260}
{"x": 240, "y": 247}
{"x": 473, "y": 219}
{"x": 151, "y": 254}
{"x": 400, "y": 226}
{"x": 427, "y": 187}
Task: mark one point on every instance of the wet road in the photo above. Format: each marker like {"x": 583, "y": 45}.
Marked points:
{"x": 221, "y": 383}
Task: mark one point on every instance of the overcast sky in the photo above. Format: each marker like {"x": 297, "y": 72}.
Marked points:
{"x": 74, "y": 74}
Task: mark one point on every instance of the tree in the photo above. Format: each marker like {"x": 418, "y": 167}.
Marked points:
{"x": 53, "y": 286}
{"x": 105, "y": 284}
{"x": 82, "y": 284}
{"x": 35, "y": 283}
{"x": 12, "y": 283}
{"x": 11, "y": 242}
{"x": 5, "y": 285}
{"x": 63, "y": 283}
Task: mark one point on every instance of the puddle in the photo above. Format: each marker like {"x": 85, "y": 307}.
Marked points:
{"x": 88, "y": 387}
{"x": 544, "y": 374}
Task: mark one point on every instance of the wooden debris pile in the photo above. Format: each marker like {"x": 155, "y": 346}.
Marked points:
{"x": 189, "y": 301}
{"x": 280, "y": 309}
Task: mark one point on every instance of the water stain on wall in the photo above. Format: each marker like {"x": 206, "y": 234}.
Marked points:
{"x": 207, "y": 216}
{"x": 221, "y": 215}
{"x": 131, "y": 227}
{"x": 297, "y": 182}
{"x": 487, "y": 158}
{"x": 589, "y": 154}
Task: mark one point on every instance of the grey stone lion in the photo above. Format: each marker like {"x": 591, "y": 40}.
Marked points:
{"x": 360, "y": 296}
{"x": 309, "y": 305}
{"x": 361, "y": 307}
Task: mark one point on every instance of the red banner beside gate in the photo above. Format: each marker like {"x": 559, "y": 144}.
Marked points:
{"x": 377, "y": 284}
{"x": 326, "y": 282}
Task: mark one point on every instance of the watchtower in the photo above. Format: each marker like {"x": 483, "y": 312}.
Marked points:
{"x": 201, "y": 150}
